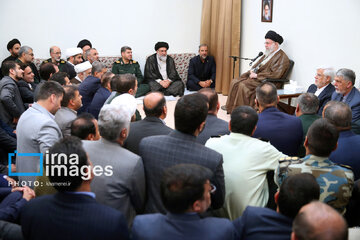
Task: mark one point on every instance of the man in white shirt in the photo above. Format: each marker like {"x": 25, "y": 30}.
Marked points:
{"x": 246, "y": 163}
{"x": 323, "y": 88}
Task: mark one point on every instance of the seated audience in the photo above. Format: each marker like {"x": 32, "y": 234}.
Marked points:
{"x": 101, "y": 94}
{"x": 316, "y": 220}
{"x": 202, "y": 70}
{"x": 180, "y": 146}
{"x": 73, "y": 212}
{"x": 185, "y": 192}
{"x": 246, "y": 163}
{"x": 160, "y": 72}
{"x": 73, "y": 57}
{"x": 11, "y": 104}
{"x": 37, "y": 130}
{"x": 85, "y": 127}
{"x": 83, "y": 70}
{"x": 348, "y": 148}
{"x": 214, "y": 126}
{"x": 26, "y": 56}
{"x": 70, "y": 103}
{"x": 273, "y": 64}
{"x": 55, "y": 58}
{"x": 90, "y": 85}
{"x": 282, "y": 130}
{"x": 155, "y": 109}
{"x": 264, "y": 223}
{"x": 26, "y": 85}
{"x": 323, "y": 87}
{"x": 125, "y": 189}
{"x": 346, "y": 92}
{"x": 307, "y": 111}
{"x": 336, "y": 182}
{"x": 126, "y": 64}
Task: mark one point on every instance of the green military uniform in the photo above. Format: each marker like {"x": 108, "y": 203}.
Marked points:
{"x": 61, "y": 64}
{"x": 335, "y": 181}
{"x": 133, "y": 67}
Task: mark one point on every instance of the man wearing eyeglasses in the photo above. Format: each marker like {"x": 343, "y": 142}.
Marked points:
{"x": 55, "y": 57}
{"x": 185, "y": 192}
{"x": 26, "y": 56}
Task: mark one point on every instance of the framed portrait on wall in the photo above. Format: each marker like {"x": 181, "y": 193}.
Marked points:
{"x": 267, "y": 10}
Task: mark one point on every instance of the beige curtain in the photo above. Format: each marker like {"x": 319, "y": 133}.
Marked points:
{"x": 220, "y": 29}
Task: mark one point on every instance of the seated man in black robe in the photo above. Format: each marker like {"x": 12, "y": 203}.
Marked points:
{"x": 160, "y": 72}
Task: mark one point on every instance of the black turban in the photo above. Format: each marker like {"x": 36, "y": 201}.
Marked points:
{"x": 160, "y": 45}
{"x": 83, "y": 43}
{"x": 274, "y": 36}
{"x": 12, "y": 43}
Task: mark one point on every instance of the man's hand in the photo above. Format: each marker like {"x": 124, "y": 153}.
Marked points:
{"x": 28, "y": 193}
{"x": 205, "y": 84}
{"x": 253, "y": 75}
{"x": 165, "y": 83}
{"x": 15, "y": 120}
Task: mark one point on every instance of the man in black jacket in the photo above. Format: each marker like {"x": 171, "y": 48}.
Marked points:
{"x": 160, "y": 72}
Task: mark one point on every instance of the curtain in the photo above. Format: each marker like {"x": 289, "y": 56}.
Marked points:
{"x": 220, "y": 30}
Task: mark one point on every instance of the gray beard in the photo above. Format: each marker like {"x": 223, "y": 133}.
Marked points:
{"x": 163, "y": 58}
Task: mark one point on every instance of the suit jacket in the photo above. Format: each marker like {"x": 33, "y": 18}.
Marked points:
{"x": 11, "y": 104}
{"x": 26, "y": 91}
{"x": 214, "y": 127}
{"x": 151, "y": 72}
{"x": 124, "y": 190}
{"x": 282, "y": 130}
{"x": 10, "y": 204}
{"x": 149, "y": 126}
{"x": 324, "y": 96}
{"x": 181, "y": 226}
{"x": 7, "y": 142}
{"x": 87, "y": 90}
{"x": 64, "y": 117}
{"x": 71, "y": 216}
{"x": 263, "y": 223}
{"x": 348, "y": 152}
{"x": 34, "y": 138}
{"x": 353, "y": 100}
{"x": 201, "y": 71}
{"x": 98, "y": 101}
{"x": 161, "y": 152}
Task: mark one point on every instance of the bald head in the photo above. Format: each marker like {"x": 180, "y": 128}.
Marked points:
{"x": 213, "y": 98}
{"x": 266, "y": 94}
{"x": 317, "y": 220}
{"x": 339, "y": 114}
{"x": 55, "y": 53}
{"x": 155, "y": 105}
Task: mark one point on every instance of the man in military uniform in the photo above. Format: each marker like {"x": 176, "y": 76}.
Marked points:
{"x": 125, "y": 64}
{"x": 55, "y": 58}
{"x": 335, "y": 181}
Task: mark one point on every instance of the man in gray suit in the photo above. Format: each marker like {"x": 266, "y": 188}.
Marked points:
{"x": 180, "y": 146}
{"x": 155, "y": 110}
{"x": 37, "y": 130}
{"x": 68, "y": 112}
{"x": 125, "y": 188}
{"x": 214, "y": 126}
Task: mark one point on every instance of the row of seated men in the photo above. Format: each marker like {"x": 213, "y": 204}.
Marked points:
{"x": 160, "y": 73}
{"x": 136, "y": 183}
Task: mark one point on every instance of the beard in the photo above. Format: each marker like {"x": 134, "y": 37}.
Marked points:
{"x": 163, "y": 58}
{"x": 270, "y": 50}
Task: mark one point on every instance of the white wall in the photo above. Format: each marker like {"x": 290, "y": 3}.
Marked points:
{"x": 316, "y": 33}
{"x": 108, "y": 24}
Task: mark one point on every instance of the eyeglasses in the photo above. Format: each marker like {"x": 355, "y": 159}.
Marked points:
{"x": 213, "y": 188}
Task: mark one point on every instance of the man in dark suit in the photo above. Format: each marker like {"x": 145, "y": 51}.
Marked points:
{"x": 202, "y": 70}
{"x": 13, "y": 47}
{"x": 185, "y": 192}
{"x": 214, "y": 127}
{"x": 72, "y": 213}
{"x": 264, "y": 223}
{"x": 323, "y": 88}
{"x": 348, "y": 148}
{"x": 153, "y": 124}
{"x": 180, "y": 146}
{"x": 306, "y": 110}
{"x": 346, "y": 92}
{"x": 282, "y": 130}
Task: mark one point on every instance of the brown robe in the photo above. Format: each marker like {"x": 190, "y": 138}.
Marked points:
{"x": 242, "y": 90}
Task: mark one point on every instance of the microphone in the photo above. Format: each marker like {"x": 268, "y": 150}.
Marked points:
{"x": 253, "y": 60}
